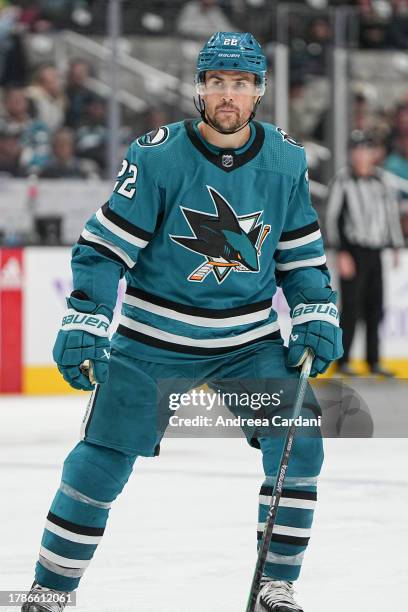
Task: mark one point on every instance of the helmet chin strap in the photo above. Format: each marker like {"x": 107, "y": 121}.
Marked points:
{"x": 201, "y": 109}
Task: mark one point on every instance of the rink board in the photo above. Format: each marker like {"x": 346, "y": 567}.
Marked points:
{"x": 34, "y": 283}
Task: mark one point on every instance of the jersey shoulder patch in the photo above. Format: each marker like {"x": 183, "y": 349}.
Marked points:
{"x": 286, "y": 138}
{"x": 155, "y": 138}
{"x": 284, "y": 153}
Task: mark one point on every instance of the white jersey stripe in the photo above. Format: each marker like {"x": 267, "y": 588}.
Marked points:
{"x": 297, "y": 242}
{"x": 301, "y": 263}
{"x": 199, "y": 342}
{"x": 64, "y": 561}
{"x": 112, "y": 247}
{"x": 70, "y": 535}
{"x": 251, "y": 317}
{"x": 118, "y": 231}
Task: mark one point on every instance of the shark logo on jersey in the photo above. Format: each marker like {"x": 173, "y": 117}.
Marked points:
{"x": 227, "y": 241}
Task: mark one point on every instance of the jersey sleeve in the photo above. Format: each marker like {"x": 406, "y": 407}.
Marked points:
{"x": 114, "y": 236}
{"x": 300, "y": 258}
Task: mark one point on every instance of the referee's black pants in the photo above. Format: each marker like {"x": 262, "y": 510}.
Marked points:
{"x": 362, "y": 298}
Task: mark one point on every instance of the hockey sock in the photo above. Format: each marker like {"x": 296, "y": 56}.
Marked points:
{"x": 92, "y": 477}
{"x": 294, "y": 517}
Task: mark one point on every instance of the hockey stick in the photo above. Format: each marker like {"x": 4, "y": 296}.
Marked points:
{"x": 278, "y": 488}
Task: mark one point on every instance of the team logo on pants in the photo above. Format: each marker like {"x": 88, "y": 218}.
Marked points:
{"x": 228, "y": 242}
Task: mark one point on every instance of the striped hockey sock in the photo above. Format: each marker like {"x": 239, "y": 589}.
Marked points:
{"x": 293, "y": 525}
{"x": 92, "y": 478}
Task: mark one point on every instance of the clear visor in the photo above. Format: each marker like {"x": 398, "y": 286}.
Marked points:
{"x": 228, "y": 88}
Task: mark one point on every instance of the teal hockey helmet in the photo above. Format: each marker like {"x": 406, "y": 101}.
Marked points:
{"x": 238, "y": 51}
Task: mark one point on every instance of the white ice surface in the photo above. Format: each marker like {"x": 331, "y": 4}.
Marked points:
{"x": 181, "y": 537}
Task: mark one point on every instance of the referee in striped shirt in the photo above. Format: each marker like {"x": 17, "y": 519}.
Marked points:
{"x": 362, "y": 219}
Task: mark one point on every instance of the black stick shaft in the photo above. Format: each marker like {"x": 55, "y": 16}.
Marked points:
{"x": 278, "y": 488}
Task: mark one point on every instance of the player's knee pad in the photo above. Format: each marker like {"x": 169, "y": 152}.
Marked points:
{"x": 306, "y": 457}
{"x": 97, "y": 471}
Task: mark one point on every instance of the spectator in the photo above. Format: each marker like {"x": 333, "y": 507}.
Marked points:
{"x": 397, "y": 161}
{"x": 13, "y": 64}
{"x": 33, "y": 134}
{"x": 367, "y": 117}
{"x": 308, "y": 104}
{"x": 64, "y": 164}
{"x": 319, "y": 40}
{"x": 399, "y": 126}
{"x": 77, "y": 93}
{"x": 47, "y": 97}
{"x": 10, "y": 153}
{"x": 59, "y": 14}
{"x": 362, "y": 219}
{"x": 363, "y": 115}
{"x": 200, "y": 18}
{"x": 92, "y": 136}
{"x": 373, "y": 24}
{"x": 397, "y": 32}
{"x": 154, "y": 119}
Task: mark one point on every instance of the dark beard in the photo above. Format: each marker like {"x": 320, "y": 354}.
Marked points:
{"x": 219, "y": 126}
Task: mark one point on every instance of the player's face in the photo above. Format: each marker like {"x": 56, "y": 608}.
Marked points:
{"x": 229, "y": 98}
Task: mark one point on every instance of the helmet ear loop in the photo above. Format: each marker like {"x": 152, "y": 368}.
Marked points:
{"x": 200, "y": 106}
{"x": 256, "y": 104}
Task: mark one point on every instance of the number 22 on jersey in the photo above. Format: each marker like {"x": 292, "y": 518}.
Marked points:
{"x": 125, "y": 186}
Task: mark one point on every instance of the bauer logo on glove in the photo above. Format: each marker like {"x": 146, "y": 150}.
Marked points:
{"x": 82, "y": 347}
{"x": 313, "y": 312}
{"x": 315, "y": 326}
{"x": 78, "y": 320}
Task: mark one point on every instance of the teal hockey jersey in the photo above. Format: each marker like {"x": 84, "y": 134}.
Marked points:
{"x": 203, "y": 236}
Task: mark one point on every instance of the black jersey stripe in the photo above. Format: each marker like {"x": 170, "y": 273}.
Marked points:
{"x": 193, "y": 350}
{"x": 198, "y": 311}
{"x": 280, "y": 274}
{"x": 300, "y": 232}
{"x": 74, "y": 527}
{"x": 285, "y": 539}
{"x": 102, "y": 250}
{"x": 292, "y": 493}
{"x": 128, "y": 227}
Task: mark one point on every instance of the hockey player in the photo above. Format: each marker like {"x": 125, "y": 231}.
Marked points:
{"x": 206, "y": 218}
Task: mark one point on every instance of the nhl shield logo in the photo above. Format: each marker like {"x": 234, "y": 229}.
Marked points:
{"x": 227, "y": 161}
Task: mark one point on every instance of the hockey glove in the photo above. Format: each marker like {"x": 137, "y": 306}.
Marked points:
{"x": 83, "y": 337}
{"x": 315, "y": 325}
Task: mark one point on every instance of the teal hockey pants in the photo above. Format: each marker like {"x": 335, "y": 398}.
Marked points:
{"x": 121, "y": 422}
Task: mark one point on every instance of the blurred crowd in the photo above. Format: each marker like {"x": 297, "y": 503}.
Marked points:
{"x": 383, "y": 23}
{"x": 52, "y": 124}
{"x": 53, "y": 128}
{"x": 56, "y": 127}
